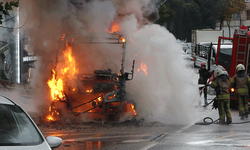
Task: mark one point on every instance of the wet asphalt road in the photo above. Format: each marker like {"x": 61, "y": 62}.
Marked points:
{"x": 154, "y": 136}
{"x": 94, "y": 136}
{"x": 209, "y": 137}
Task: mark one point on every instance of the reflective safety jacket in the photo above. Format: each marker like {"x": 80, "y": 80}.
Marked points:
{"x": 240, "y": 82}
{"x": 221, "y": 85}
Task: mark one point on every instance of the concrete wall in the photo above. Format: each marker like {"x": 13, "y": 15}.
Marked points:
{"x": 235, "y": 23}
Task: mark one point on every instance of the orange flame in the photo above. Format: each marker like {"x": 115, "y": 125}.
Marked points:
{"x": 143, "y": 68}
{"x": 56, "y": 88}
{"x": 89, "y": 91}
{"x": 133, "y": 108}
{"x": 50, "y": 118}
{"x": 63, "y": 36}
{"x": 99, "y": 99}
{"x": 53, "y": 113}
{"x": 123, "y": 40}
{"x": 70, "y": 61}
{"x": 56, "y": 84}
{"x": 114, "y": 28}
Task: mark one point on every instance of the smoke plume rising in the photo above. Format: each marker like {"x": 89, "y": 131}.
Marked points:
{"x": 161, "y": 90}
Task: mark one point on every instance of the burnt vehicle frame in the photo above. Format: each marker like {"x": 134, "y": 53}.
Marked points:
{"x": 109, "y": 88}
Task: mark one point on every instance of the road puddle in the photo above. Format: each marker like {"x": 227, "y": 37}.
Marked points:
{"x": 86, "y": 145}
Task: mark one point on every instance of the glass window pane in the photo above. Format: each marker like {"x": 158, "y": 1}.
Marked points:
{"x": 16, "y": 128}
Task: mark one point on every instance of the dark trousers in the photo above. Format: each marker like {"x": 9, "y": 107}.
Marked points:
{"x": 224, "y": 110}
{"x": 205, "y": 93}
{"x": 243, "y": 104}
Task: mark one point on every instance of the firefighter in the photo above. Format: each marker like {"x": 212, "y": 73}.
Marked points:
{"x": 204, "y": 74}
{"x": 221, "y": 84}
{"x": 240, "y": 82}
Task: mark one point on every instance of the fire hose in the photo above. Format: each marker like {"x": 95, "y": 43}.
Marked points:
{"x": 214, "y": 121}
{"x": 210, "y": 79}
{"x": 205, "y": 122}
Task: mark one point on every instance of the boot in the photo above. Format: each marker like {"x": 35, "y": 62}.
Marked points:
{"x": 221, "y": 121}
{"x": 242, "y": 117}
{"x": 229, "y": 122}
{"x": 246, "y": 115}
{"x": 205, "y": 101}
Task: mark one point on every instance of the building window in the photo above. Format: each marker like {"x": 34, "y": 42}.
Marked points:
{"x": 248, "y": 14}
{"x": 236, "y": 16}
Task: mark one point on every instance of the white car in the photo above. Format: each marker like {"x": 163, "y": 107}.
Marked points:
{"x": 19, "y": 132}
{"x": 225, "y": 49}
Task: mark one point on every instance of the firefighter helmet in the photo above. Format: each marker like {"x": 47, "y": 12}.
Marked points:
{"x": 218, "y": 72}
{"x": 240, "y": 67}
{"x": 203, "y": 64}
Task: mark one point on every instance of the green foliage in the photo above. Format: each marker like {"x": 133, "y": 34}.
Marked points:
{"x": 233, "y": 7}
{"x": 182, "y": 16}
{"x": 6, "y": 7}
{"x": 163, "y": 11}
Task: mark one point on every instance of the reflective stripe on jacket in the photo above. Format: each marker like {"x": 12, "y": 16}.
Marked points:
{"x": 221, "y": 85}
{"x": 240, "y": 84}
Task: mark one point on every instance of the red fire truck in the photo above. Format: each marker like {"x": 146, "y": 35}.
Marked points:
{"x": 239, "y": 55}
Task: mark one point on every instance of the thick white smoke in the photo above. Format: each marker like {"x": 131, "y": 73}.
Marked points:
{"x": 164, "y": 94}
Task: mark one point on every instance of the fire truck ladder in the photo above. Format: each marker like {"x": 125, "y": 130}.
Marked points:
{"x": 242, "y": 45}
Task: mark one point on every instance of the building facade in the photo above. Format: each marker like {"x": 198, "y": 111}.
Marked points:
{"x": 242, "y": 18}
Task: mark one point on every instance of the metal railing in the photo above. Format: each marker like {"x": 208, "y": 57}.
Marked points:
{"x": 240, "y": 32}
